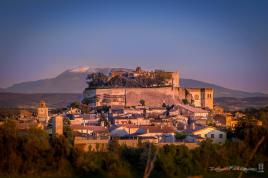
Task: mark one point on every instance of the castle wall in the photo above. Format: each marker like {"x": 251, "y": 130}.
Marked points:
{"x": 132, "y": 96}
{"x": 153, "y": 96}
{"x": 156, "y": 96}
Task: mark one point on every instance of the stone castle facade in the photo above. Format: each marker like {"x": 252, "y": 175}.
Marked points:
{"x": 132, "y": 96}
{"x": 201, "y": 97}
{"x": 172, "y": 93}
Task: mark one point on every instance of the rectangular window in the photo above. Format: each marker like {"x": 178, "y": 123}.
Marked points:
{"x": 212, "y": 135}
{"x": 220, "y": 136}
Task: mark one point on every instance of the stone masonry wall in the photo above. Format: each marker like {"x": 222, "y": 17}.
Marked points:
{"x": 132, "y": 96}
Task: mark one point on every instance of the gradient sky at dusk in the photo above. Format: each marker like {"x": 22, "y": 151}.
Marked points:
{"x": 222, "y": 42}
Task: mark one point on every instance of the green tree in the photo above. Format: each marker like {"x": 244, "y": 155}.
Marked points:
{"x": 142, "y": 102}
{"x": 75, "y": 104}
{"x": 185, "y": 101}
{"x": 67, "y": 131}
{"x": 168, "y": 108}
{"x": 180, "y": 136}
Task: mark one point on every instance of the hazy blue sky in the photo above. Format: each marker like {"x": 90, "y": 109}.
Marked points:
{"x": 222, "y": 42}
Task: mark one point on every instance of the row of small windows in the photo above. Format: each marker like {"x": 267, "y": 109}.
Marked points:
{"x": 196, "y": 97}
{"x": 213, "y": 136}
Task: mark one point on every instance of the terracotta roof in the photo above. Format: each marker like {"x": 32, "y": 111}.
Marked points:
{"x": 192, "y": 109}
{"x": 92, "y": 128}
{"x": 132, "y": 116}
{"x": 126, "y": 126}
{"x": 129, "y": 126}
{"x": 158, "y": 129}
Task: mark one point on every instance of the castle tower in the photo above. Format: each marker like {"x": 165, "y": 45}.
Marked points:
{"x": 175, "y": 79}
{"x": 202, "y": 97}
{"x": 57, "y": 123}
{"x": 42, "y": 111}
{"x": 207, "y": 100}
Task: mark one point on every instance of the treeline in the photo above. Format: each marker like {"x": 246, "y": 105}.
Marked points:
{"x": 14, "y": 113}
{"x": 259, "y": 114}
{"x": 95, "y": 80}
{"x": 9, "y": 113}
{"x": 33, "y": 153}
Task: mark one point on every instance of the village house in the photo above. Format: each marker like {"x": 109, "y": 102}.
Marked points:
{"x": 123, "y": 130}
{"x": 83, "y": 119}
{"x": 135, "y": 120}
{"x": 161, "y": 133}
{"x": 225, "y": 120}
{"x": 217, "y": 136}
{"x": 91, "y": 131}
{"x": 153, "y": 134}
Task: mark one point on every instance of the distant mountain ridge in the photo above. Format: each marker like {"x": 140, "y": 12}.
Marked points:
{"x": 22, "y": 100}
{"x": 74, "y": 81}
{"x": 234, "y": 104}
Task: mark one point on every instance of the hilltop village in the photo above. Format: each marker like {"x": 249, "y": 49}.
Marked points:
{"x": 137, "y": 106}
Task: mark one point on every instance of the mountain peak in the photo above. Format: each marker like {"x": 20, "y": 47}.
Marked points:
{"x": 80, "y": 69}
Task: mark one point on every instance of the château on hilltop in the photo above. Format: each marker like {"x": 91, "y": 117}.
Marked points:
{"x": 127, "y": 88}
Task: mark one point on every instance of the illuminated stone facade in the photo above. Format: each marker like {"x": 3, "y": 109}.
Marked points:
{"x": 171, "y": 93}
{"x": 57, "y": 123}
{"x": 42, "y": 111}
{"x": 132, "y": 96}
{"x": 201, "y": 97}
